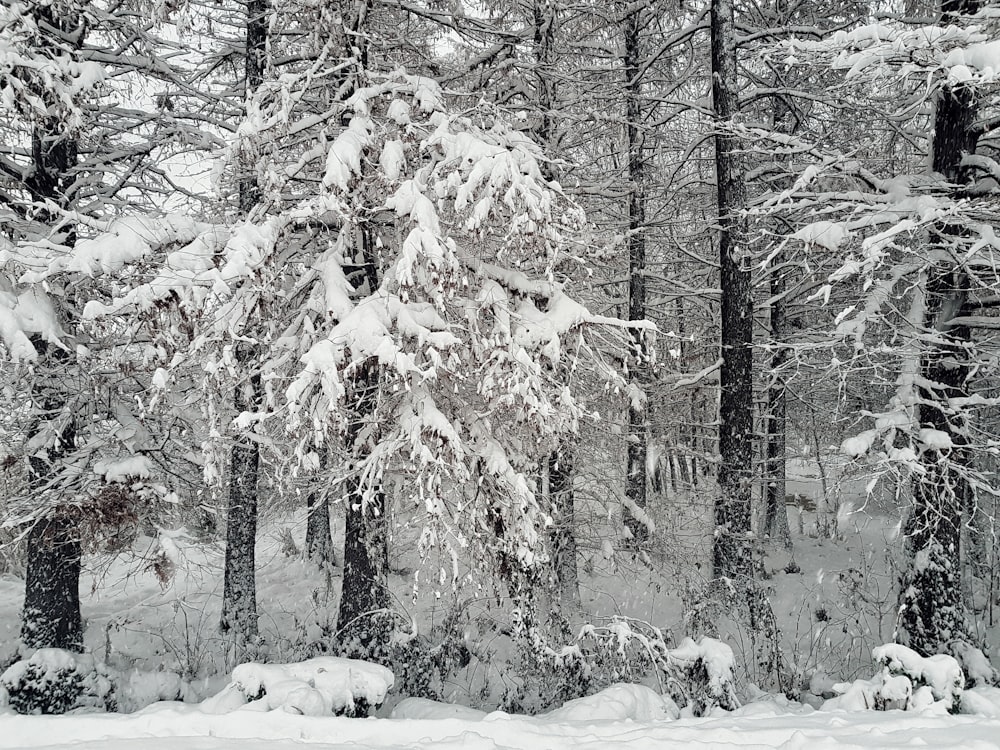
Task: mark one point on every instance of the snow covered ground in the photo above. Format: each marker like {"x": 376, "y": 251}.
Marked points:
{"x": 766, "y": 724}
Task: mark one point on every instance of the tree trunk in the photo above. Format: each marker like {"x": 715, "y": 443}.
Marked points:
{"x": 51, "y": 614}
{"x": 560, "y": 461}
{"x": 364, "y": 598}
{"x": 239, "y": 594}
{"x": 563, "y": 534}
{"x": 733, "y": 549}
{"x": 636, "y": 519}
{"x": 775, "y": 522}
{"x": 931, "y": 609}
{"x": 319, "y": 540}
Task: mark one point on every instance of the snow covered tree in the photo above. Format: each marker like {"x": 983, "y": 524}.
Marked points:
{"x": 932, "y": 611}
{"x": 924, "y": 239}
{"x": 439, "y": 362}
{"x": 74, "y": 156}
{"x": 45, "y": 78}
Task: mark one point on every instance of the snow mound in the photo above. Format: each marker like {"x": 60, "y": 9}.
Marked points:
{"x": 424, "y": 708}
{"x": 617, "y": 703}
{"x": 981, "y": 701}
{"x": 315, "y": 687}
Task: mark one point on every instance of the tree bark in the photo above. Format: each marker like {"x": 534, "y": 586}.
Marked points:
{"x": 563, "y": 534}
{"x": 931, "y": 612}
{"x": 733, "y": 548}
{"x": 319, "y": 540}
{"x": 364, "y": 598}
{"x": 51, "y": 615}
{"x": 636, "y": 519}
{"x": 239, "y": 594}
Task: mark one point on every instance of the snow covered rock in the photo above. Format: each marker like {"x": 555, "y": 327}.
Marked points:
{"x": 315, "y": 687}
{"x": 618, "y": 703}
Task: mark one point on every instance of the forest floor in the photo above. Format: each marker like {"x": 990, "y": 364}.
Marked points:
{"x": 832, "y": 595}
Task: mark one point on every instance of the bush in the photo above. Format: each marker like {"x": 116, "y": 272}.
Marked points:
{"x": 906, "y": 681}
{"x": 54, "y": 681}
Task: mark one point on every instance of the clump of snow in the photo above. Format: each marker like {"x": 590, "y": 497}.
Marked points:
{"x": 316, "y": 687}
{"x": 935, "y": 439}
{"x": 826, "y": 234}
{"x": 618, "y": 703}
{"x": 124, "y": 469}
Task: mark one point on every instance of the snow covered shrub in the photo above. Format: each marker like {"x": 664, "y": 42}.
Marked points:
{"x": 697, "y": 675}
{"x": 741, "y": 612}
{"x": 54, "y": 681}
{"x": 906, "y": 681}
{"x": 316, "y": 687}
{"x": 977, "y": 668}
{"x": 707, "y": 674}
{"x": 422, "y": 663}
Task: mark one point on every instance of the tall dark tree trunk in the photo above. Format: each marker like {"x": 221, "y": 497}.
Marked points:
{"x": 364, "y": 598}
{"x": 239, "y": 594}
{"x": 319, "y": 540}
{"x": 931, "y": 608}
{"x": 51, "y": 614}
{"x": 733, "y": 550}
{"x": 636, "y": 519}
